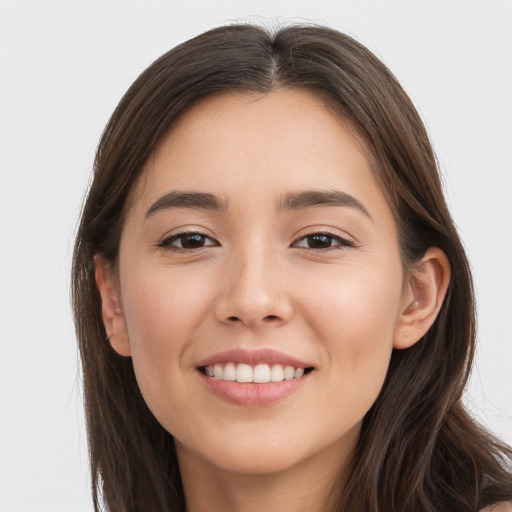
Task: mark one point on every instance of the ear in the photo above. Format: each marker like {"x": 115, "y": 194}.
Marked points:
{"x": 111, "y": 311}
{"x": 424, "y": 293}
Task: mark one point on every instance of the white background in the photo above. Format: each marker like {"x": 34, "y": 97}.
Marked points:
{"x": 63, "y": 67}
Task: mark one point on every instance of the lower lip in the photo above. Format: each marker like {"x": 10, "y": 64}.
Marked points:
{"x": 251, "y": 394}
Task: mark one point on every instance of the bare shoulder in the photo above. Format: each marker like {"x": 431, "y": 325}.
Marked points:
{"x": 502, "y": 506}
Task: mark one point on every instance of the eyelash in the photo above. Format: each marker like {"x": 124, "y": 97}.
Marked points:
{"x": 167, "y": 242}
{"x": 336, "y": 242}
{"x": 341, "y": 241}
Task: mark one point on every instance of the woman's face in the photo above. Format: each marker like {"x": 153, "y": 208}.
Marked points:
{"x": 258, "y": 246}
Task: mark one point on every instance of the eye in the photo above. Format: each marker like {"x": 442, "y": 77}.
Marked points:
{"x": 187, "y": 242}
{"x": 322, "y": 241}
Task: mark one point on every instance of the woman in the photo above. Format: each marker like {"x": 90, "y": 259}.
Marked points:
{"x": 273, "y": 306}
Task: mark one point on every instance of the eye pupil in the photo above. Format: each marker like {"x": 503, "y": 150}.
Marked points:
{"x": 319, "y": 241}
{"x": 192, "y": 241}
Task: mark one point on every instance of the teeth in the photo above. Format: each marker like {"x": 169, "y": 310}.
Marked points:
{"x": 260, "y": 374}
{"x": 229, "y": 372}
{"x": 289, "y": 373}
{"x": 217, "y": 371}
{"x": 243, "y": 373}
{"x": 299, "y": 372}
{"x": 277, "y": 373}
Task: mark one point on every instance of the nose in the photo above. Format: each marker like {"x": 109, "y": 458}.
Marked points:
{"x": 254, "y": 292}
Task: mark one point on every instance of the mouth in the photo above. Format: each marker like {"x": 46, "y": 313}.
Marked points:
{"x": 257, "y": 374}
{"x": 253, "y": 377}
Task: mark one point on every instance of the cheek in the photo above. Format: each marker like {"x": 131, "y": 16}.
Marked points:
{"x": 162, "y": 313}
{"x": 160, "y": 309}
{"x": 354, "y": 320}
{"x": 361, "y": 307}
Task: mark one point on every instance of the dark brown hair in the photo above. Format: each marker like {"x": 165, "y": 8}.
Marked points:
{"x": 419, "y": 449}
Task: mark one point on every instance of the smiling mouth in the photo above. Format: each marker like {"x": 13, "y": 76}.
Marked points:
{"x": 257, "y": 374}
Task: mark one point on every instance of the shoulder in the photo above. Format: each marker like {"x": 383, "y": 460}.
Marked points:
{"x": 502, "y": 506}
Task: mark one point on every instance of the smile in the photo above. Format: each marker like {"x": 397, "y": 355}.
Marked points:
{"x": 259, "y": 374}
{"x": 253, "y": 377}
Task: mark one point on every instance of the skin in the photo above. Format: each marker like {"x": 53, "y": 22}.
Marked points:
{"x": 257, "y": 283}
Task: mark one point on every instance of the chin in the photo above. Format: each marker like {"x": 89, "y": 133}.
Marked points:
{"x": 257, "y": 462}
{"x": 246, "y": 452}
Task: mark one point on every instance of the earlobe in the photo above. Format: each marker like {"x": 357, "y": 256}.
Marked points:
{"x": 111, "y": 311}
{"x": 423, "y": 297}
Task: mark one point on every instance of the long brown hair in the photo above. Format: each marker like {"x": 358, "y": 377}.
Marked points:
{"x": 419, "y": 449}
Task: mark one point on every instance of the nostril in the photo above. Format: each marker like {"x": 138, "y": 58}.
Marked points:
{"x": 233, "y": 318}
{"x": 271, "y": 317}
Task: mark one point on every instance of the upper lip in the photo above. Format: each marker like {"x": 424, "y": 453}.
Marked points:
{"x": 253, "y": 357}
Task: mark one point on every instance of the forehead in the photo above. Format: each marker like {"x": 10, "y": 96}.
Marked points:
{"x": 288, "y": 139}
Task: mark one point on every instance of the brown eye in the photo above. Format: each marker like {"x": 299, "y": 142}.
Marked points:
{"x": 192, "y": 241}
{"x": 319, "y": 241}
{"x": 187, "y": 241}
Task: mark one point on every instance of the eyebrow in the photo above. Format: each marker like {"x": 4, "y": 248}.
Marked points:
{"x": 314, "y": 198}
{"x": 290, "y": 201}
{"x": 196, "y": 200}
